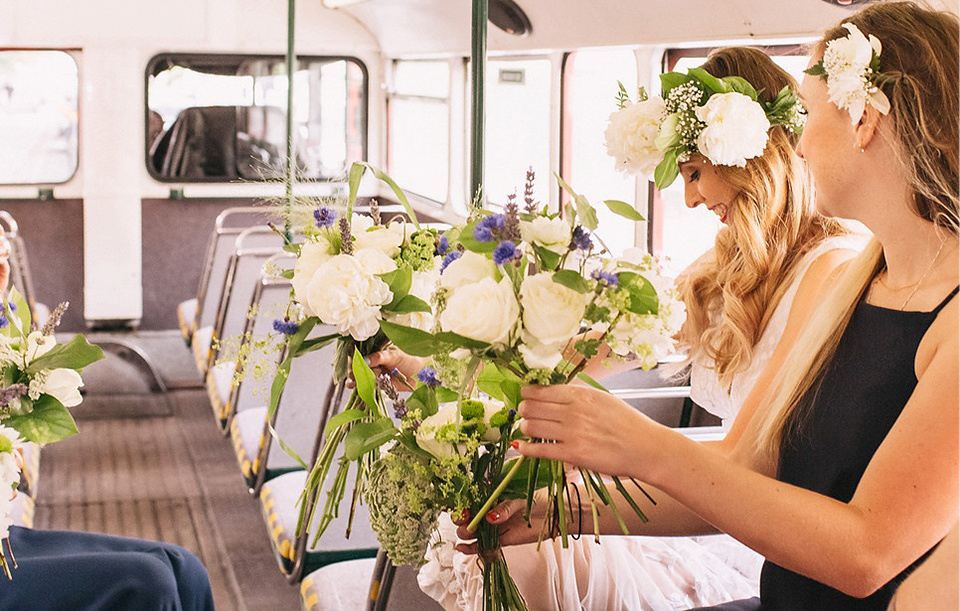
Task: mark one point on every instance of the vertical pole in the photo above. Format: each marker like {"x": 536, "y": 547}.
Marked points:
{"x": 291, "y": 161}
{"x": 479, "y": 64}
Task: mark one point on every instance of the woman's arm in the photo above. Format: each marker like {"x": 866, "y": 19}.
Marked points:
{"x": 934, "y": 584}
{"x": 905, "y": 502}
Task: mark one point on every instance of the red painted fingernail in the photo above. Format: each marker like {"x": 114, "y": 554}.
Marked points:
{"x": 493, "y": 516}
{"x": 515, "y": 444}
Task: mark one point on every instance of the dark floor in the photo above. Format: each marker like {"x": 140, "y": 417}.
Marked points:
{"x": 154, "y": 465}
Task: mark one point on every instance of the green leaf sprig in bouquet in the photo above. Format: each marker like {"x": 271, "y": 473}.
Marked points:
{"x": 353, "y": 272}
{"x": 39, "y": 380}
{"x": 518, "y": 293}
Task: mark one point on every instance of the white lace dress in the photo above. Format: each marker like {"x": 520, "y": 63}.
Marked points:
{"x": 628, "y": 573}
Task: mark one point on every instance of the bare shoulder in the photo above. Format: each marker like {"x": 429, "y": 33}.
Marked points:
{"x": 941, "y": 343}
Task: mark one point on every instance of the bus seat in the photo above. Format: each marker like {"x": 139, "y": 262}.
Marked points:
{"x": 202, "y": 143}
{"x": 186, "y": 317}
{"x": 30, "y": 475}
{"x": 341, "y": 586}
{"x": 22, "y": 511}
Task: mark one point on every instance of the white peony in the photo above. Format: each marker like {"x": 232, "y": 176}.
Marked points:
{"x": 313, "y": 254}
{"x": 64, "y": 386}
{"x": 345, "y": 292}
{"x": 374, "y": 261}
{"x": 552, "y": 312}
{"x": 847, "y": 64}
{"x": 736, "y": 129}
{"x": 631, "y": 136}
{"x": 539, "y": 356}
{"x": 486, "y": 311}
{"x": 553, "y": 234}
{"x": 471, "y": 267}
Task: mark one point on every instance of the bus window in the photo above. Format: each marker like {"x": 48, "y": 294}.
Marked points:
{"x": 517, "y": 129}
{"x": 38, "y": 117}
{"x": 590, "y": 89}
{"x": 223, "y": 117}
{"x": 679, "y": 233}
{"x": 418, "y": 126}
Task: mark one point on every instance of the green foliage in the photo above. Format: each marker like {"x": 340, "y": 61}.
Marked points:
{"x": 47, "y": 422}
{"x": 75, "y": 354}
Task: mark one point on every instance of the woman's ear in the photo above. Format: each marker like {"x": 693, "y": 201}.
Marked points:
{"x": 866, "y": 127}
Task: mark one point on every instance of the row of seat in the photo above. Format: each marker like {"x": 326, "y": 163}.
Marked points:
{"x": 229, "y": 326}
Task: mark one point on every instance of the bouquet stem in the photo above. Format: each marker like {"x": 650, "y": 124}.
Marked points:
{"x": 475, "y": 522}
{"x": 500, "y": 592}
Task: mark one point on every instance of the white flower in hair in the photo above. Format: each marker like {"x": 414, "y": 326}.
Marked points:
{"x": 736, "y": 129}
{"x": 850, "y": 66}
{"x": 631, "y": 136}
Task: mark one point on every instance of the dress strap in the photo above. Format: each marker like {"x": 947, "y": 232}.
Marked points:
{"x": 945, "y": 301}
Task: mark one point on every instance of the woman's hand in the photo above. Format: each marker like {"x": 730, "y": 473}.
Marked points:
{"x": 587, "y": 427}
{"x": 392, "y": 359}
{"x": 4, "y": 262}
{"x": 508, "y": 516}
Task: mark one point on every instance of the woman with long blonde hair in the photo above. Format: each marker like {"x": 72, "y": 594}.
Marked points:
{"x": 841, "y": 467}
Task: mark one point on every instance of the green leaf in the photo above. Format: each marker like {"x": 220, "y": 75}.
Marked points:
{"x": 410, "y": 340}
{"x": 341, "y": 358}
{"x": 409, "y": 303}
{"x": 283, "y": 370}
{"x": 585, "y": 212}
{"x": 461, "y": 341}
{"x": 667, "y": 170}
{"x": 315, "y": 343}
{"x": 20, "y": 320}
{"x": 511, "y": 393}
{"x": 623, "y": 209}
{"x": 344, "y": 417}
{"x": 489, "y": 381}
{"x": 740, "y": 85}
{"x": 399, "y": 281}
{"x": 366, "y": 381}
{"x": 643, "y": 297}
{"x": 75, "y": 354}
{"x": 401, "y": 196}
{"x": 816, "y": 70}
{"x": 591, "y": 382}
{"x": 353, "y": 180}
{"x": 572, "y": 280}
{"x": 548, "y": 258}
{"x": 669, "y": 80}
{"x": 426, "y": 399}
{"x": 286, "y": 274}
{"x": 367, "y": 436}
{"x": 286, "y": 447}
{"x": 466, "y": 238}
{"x": 49, "y": 421}
{"x": 517, "y": 488}
{"x": 709, "y": 81}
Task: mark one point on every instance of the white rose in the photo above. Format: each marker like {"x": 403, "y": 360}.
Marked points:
{"x": 386, "y": 238}
{"x": 539, "y": 356}
{"x": 374, "y": 261}
{"x": 486, "y": 311}
{"x": 551, "y": 312}
{"x": 344, "y": 294}
{"x": 631, "y": 136}
{"x": 423, "y": 286}
{"x": 736, "y": 129}
{"x": 552, "y": 234}
{"x": 471, "y": 267}
{"x": 312, "y": 255}
{"x": 64, "y": 386}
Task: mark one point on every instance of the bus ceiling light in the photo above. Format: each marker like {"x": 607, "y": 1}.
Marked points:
{"x": 509, "y": 17}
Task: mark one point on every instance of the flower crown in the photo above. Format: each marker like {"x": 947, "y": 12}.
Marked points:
{"x": 719, "y": 118}
{"x": 851, "y": 68}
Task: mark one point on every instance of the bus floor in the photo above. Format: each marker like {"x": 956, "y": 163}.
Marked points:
{"x": 153, "y": 465}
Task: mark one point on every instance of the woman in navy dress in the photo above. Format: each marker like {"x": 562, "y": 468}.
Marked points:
{"x": 841, "y": 467}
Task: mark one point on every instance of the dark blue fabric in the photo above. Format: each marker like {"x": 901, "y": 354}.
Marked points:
{"x": 76, "y": 571}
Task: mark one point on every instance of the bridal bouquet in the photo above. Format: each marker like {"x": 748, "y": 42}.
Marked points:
{"x": 525, "y": 296}
{"x": 353, "y": 272}
{"x": 40, "y": 381}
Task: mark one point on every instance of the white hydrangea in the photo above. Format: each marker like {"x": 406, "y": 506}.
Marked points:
{"x": 631, "y": 136}
{"x": 736, "y": 129}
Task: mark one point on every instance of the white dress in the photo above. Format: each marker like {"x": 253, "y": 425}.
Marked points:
{"x": 629, "y": 573}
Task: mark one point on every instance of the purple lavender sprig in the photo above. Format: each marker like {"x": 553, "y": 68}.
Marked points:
{"x": 530, "y": 203}
{"x": 12, "y": 392}
{"x": 346, "y": 238}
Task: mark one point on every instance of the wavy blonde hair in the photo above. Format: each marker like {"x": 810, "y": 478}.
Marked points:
{"x": 731, "y": 296}
{"x": 920, "y": 64}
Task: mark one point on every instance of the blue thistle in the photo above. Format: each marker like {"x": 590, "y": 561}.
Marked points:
{"x": 450, "y": 257}
{"x": 4, "y": 321}
{"x": 287, "y": 327}
{"x": 505, "y": 252}
{"x": 442, "y": 246}
{"x": 428, "y": 375}
{"x": 581, "y": 238}
{"x": 325, "y": 217}
{"x": 607, "y": 278}
{"x": 483, "y": 232}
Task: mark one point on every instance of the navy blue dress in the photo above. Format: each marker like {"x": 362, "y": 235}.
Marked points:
{"x": 842, "y": 421}
{"x": 78, "y": 571}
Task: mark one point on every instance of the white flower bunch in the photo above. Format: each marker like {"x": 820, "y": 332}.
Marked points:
{"x": 10, "y": 445}
{"x": 720, "y": 119}
{"x": 851, "y": 68}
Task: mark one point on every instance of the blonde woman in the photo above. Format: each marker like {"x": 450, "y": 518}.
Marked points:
{"x": 841, "y": 468}
{"x": 773, "y": 250}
